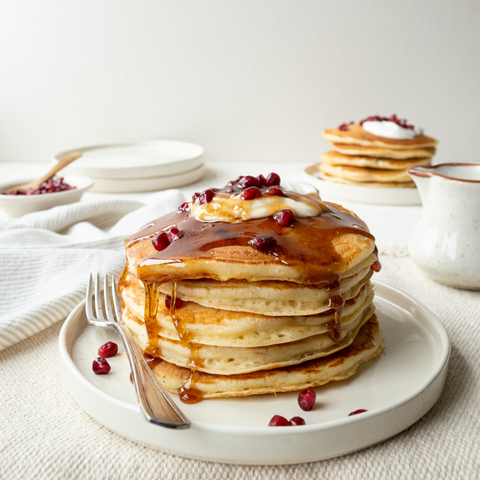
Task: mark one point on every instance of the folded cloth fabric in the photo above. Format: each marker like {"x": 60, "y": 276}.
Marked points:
{"x": 47, "y": 256}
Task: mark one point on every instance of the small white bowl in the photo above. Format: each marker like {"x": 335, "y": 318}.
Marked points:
{"x": 18, "y": 205}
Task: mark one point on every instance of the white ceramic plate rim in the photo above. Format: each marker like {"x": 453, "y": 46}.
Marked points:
{"x": 238, "y": 430}
{"x": 122, "y": 171}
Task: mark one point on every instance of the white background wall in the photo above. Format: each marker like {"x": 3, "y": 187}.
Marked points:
{"x": 249, "y": 80}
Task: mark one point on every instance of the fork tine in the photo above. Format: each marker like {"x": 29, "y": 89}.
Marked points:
{"x": 116, "y": 301}
{"x": 98, "y": 299}
{"x": 107, "y": 300}
{"x": 88, "y": 300}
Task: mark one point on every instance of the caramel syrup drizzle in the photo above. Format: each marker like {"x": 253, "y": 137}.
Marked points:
{"x": 185, "y": 335}
{"x": 187, "y": 393}
{"x": 152, "y": 293}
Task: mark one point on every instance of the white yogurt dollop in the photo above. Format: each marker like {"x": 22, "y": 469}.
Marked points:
{"x": 224, "y": 208}
{"x": 392, "y": 130}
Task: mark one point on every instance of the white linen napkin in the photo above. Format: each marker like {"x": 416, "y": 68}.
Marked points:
{"x": 46, "y": 257}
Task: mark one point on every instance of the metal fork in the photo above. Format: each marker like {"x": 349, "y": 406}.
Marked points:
{"x": 155, "y": 403}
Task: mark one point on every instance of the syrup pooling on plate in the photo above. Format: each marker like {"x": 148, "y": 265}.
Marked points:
{"x": 293, "y": 229}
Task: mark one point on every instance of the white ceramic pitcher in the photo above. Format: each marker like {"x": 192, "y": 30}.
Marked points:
{"x": 446, "y": 242}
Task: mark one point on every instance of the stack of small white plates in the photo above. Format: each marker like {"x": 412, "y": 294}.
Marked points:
{"x": 138, "y": 167}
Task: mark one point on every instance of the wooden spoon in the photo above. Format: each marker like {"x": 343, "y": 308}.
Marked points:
{"x": 67, "y": 159}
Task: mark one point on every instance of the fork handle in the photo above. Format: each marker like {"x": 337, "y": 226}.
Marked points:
{"x": 157, "y": 406}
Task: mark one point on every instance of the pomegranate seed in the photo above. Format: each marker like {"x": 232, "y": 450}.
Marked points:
{"x": 284, "y": 218}
{"x": 168, "y": 302}
{"x": 251, "y": 193}
{"x": 233, "y": 182}
{"x": 160, "y": 241}
{"x": 207, "y": 196}
{"x": 306, "y": 399}
{"x": 376, "y": 266}
{"x": 48, "y": 186}
{"x": 229, "y": 190}
{"x": 263, "y": 243}
{"x": 278, "y": 421}
{"x": 250, "y": 181}
{"x": 393, "y": 118}
{"x": 109, "y": 349}
{"x": 275, "y": 191}
{"x": 344, "y": 126}
{"x": 183, "y": 207}
{"x": 100, "y": 366}
{"x": 262, "y": 180}
{"x": 272, "y": 179}
{"x": 356, "y": 412}
{"x": 296, "y": 421}
{"x": 174, "y": 234}
{"x": 195, "y": 196}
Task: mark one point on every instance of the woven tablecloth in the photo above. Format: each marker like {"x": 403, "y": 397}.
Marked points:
{"x": 44, "y": 434}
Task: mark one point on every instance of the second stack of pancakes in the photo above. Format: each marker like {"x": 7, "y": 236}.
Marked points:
{"x": 252, "y": 305}
{"x": 359, "y": 157}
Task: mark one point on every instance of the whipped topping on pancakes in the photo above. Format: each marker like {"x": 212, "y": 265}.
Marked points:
{"x": 231, "y": 208}
{"x": 389, "y": 129}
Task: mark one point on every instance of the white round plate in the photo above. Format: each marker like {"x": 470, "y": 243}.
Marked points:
{"x": 154, "y": 158}
{"x": 354, "y": 193}
{"x": 397, "y": 389}
{"x": 104, "y": 185}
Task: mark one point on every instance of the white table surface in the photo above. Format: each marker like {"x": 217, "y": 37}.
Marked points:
{"x": 389, "y": 224}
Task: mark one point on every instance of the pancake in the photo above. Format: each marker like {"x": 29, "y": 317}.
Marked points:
{"x": 368, "y": 344}
{"x": 210, "y": 326}
{"x": 268, "y": 298}
{"x": 331, "y": 178}
{"x": 361, "y": 175}
{"x": 356, "y": 135}
{"x": 312, "y": 252}
{"x": 237, "y": 360}
{"x": 336, "y": 158}
{"x": 384, "y": 152}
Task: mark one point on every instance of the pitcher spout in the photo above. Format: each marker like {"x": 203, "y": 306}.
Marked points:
{"x": 421, "y": 177}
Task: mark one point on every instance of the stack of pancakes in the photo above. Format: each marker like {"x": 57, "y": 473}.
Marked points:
{"x": 228, "y": 313}
{"x": 365, "y": 159}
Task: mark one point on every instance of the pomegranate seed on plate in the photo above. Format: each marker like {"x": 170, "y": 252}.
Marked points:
{"x": 295, "y": 421}
{"x": 109, "y": 349}
{"x": 278, "y": 421}
{"x": 356, "y": 412}
{"x": 306, "y": 399}
{"x": 100, "y": 366}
